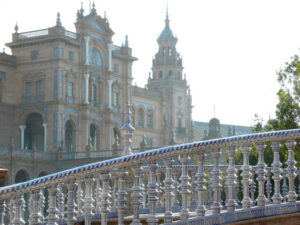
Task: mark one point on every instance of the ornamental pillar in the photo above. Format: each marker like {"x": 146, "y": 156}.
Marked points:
{"x": 276, "y": 173}
{"x": 109, "y": 45}
{"x": 87, "y": 40}
{"x": 200, "y": 211}
{"x": 86, "y": 78}
{"x": 45, "y": 136}
{"x": 261, "y": 175}
{"x": 216, "y": 185}
{"x": 22, "y": 128}
{"x": 246, "y": 177}
{"x": 291, "y": 171}
{"x": 185, "y": 184}
{"x": 231, "y": 180}
{"x": 109, "y": 83}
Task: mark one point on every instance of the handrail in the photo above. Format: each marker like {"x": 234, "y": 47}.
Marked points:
{"x": 147, "y": 156}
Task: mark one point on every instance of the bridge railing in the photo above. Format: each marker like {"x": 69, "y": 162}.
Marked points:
{"x": 116, "y": 186}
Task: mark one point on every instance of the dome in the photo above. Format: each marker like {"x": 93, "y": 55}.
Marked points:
{"x": 166, "y": 33}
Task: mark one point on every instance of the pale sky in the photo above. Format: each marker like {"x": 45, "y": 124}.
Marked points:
{"x": 231, "y": 48}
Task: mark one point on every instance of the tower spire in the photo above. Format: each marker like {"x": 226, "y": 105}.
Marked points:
{"x": 167, "y": 21}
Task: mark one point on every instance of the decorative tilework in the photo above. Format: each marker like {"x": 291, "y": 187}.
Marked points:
{"x": 145, "y": 105}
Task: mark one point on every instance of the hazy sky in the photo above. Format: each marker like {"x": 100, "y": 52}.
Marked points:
{"x": 231, "y": 49}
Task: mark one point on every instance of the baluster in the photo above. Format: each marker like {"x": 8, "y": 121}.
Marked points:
{"x": 52, "y": 210}
{"x": 115, "y": 191}
{"x": 143, "y": 189}
{"x": 88, "y": 200}
{"x": 291, "y": 171}
{"x": 236, "y": 192}
{"x": 210, "y": 190}
{"x": 216, "y": 206}
{"x": 152, "y": 193}
{"x": 252, "y": 186}
{"x": 2, "y": 211}
{"x": 70, "y": 212}
{"x": 159, "y": 190}
{"x": 168, "y": 217}
{"x": 105, "y": 176}
{"x": 98, "y": 195}
{"x": 269, "y": 185}
{"x": 261, "y": 178}
{"x": 136, "y": 195}
{"x": 12, "y": 211}
{"x": 35, "y": 217}
{"x": 246, "y": 175}
{"x": 176, "y": 184}
{"x": 61, "y": 201}
{"x": 42, "y": 205}
{"x": 231, "y": 180}
{"x": 193, "y": 202}
{"x": 121, "y": 195}
{"x": 79, "y": 198}
{"x": 19, "y": 210}
{"x": 184, "y": 213}
{"x": 276, "y": 173}
{"x": 201, "y": 184}
{"x": 284, "y": 185}
{"x": 30, "y": 207}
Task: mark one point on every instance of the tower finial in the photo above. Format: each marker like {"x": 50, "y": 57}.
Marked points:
{"x": 93, "y": 11}
{"x": 58, "y": 22}
{"x": 16, "y": 28}
{"x": 126, "y": 41}
{"x": 167, "y": 15}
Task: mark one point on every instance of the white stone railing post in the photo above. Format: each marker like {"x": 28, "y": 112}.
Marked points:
{"x": 2, "y": 211}
{"x": 105, "y": 176}
{"x": 52, "y": 210}
{"x": 86, "y": 39}
{"x": 121, "y": 195}
{"x": 216, "y": 185}
{"x": 70, "y": 212}
{"x": 22, "y": 128}
{"x": 152, "y": 193}
{"x": 246, "y": 202}
{"x": 201, "y": 184}
{"x": 252, "y": 186}
{"x": 79, "y": 198}
{"x": 168, "y": 191}
{"x": 284, "y": 185}
{"x": 98, "y": 194}
{"x": 176, "y": 184}
{"x": 34, "y": 212}
{"x": 159, "y": 189}
{"x": 19, "y": 210}
{"x": 42, "y": 205}
{"x": 115, "y": 191}
{"x": 291, "y": 171}
{"x": 231, "y": 180}
{"x": 269, "y": 186}
{"x": 184, "y": 185}
{"x": 88, "y": 200}
{"x": 61, "y": 201}
{"x": 143, "y": 189}
{"x": 136, "y": 195}
{"x": 86, "y": 78}
{"x": 45, "y": 136}
{"x": 276, "y": 173}
{"x": 261, "y": 175}
{"x": 12, "y": 212}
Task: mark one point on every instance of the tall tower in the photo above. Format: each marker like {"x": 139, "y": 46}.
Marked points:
{"x": 168, "y": 80}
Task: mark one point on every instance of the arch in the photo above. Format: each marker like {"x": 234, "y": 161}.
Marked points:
{"x": 43, "y": 173}
{"x": 34, "y": 132}
{"x": 95, "y": 57}
{"x": 141, "y": 117}
{"x": 149, "y": 119}
{"x": 70, "y": 136}
{"x": 21, "y": 176}
{"x": 26, "y": 114}
{"x": 94, "y": 137}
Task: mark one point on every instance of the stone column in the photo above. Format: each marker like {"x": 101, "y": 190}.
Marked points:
{"x": 185, "y": 184}
{"x": 216, "y": 185}
{"x": 291, "y": 171}
{"x": 168, "y": 217}
{"x": 276, "y": 173}
{"x": 86, "y": 39}
{"x": 200, "y": 211}
{"x": 86, "y": 77}
{"x": 70, "y": 212}
{"x": 136, "y": 195}
{"x": 52, "y": 210}
{"x": 19, "y": 205}
{"x": 45, "y": 136}
{"x": 261, "y": 178}
{"x": 121, "y": 195}
{"x": 105, "y": 176}
{"x": 246, "y": 177}
{"x": 35, "y": 217}
{"x": 231, "y": 180}
{"x": 22, "y": 127}
{"x": 88, "y": 206}
{"x": 109, "y": 45}
{"x": 109, "y": 83}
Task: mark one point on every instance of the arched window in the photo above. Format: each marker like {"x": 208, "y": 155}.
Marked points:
{"x": 164, "y": 52}
{"x": 70, "y": 137}
{"x": 149, "y": 119}
{"x": 95, "y": 57}
{"x": 170, "y": 51}
{"x": 94, "y": 140}
{"x": 141, "y": 117}
{"x": 34, "y": 132}
{"x": 94, "y": 93}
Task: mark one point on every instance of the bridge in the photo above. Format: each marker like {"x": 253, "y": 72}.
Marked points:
{"x": 173, "y": 184}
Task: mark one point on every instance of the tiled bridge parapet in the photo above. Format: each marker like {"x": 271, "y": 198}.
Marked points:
{"x": 160, "y": 183}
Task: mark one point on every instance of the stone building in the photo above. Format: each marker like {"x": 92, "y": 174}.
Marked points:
{"x": 64, "y": 92}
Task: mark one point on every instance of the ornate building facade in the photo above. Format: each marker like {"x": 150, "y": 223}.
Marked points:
{"x": 66, "y": 92}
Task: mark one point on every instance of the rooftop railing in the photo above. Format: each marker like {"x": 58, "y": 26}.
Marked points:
{"x": 131, "y": 187}
{"x": 45, "y": 32}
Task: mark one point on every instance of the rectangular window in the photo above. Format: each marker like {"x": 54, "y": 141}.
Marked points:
{"x": 39, "y": 88}
{"x": 61, "y": 52}
{"x": 71, "y": 56}
{"x": 34, "y": 55}
{"x": 28, "y": 89}
{"x": 116, "y": 68}
{"x": 55, "y": 52}
{"x": 70, "y": 89}
{"x": 115, "y": 99}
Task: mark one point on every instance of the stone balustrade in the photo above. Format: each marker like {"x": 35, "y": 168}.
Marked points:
{"x": 170, "y": 185}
